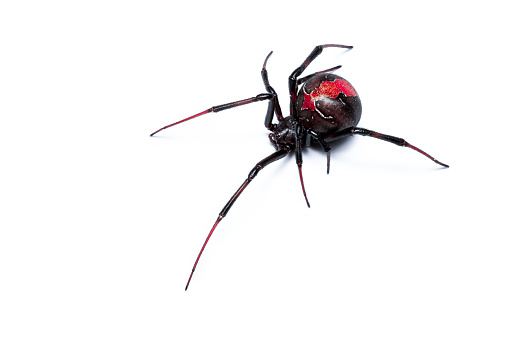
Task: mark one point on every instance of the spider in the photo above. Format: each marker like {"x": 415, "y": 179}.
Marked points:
{"x": 325, "y": 108}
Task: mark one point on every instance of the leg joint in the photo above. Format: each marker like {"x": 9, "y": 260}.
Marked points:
{"x": 255, "y": 171}
{"x": 265, "y": 96}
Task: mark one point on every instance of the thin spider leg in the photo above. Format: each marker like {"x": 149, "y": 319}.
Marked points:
{"x": 300, "y": 81}
{"x": 327, "y": 149}
{"x": 316, "y": 136}
{"x": 252, "y": 174}
{"x": 293, "y": 78}
{"x": 328, "y": 162}
{"x": 299, "y": 160}
{"x": 214, "y": 109}
{"x": 394, "y": 140}
{"x": 274, "y": 105}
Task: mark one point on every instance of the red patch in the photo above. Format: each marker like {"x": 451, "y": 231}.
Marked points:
{"x": 330, "y": 89}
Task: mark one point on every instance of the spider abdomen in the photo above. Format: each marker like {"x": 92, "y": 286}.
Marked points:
{"x": 327, "y": 103}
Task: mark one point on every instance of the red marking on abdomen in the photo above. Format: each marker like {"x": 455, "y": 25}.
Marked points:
{"x": 330, "y": 89}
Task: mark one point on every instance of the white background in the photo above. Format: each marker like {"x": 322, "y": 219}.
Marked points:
{"x": 101, "y": 224}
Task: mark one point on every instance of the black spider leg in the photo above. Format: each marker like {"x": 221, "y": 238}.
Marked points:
{"x": 293, "y": 78}
{"x": 259, "y": 97}
{"x": 365, "y": 132}
{"x": 300, "y": 134}
{"x": 273, "y": 106}
{"x": 300, "y": 81}
{"x": 325, "y": 147}
{"x": 252, "y": 174}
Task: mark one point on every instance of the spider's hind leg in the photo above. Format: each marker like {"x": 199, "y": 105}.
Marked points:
{"x": 394, "y": 140}
{"x": 293, "y": 78}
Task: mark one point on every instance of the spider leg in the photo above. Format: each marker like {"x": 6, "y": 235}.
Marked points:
{"x": 299, "y": 159}
{"x": 327, "y": 149}
{"x": 274, "y": 105}
{"x": 259, "y": 97}
{"x": 316, "y": 136}
{"x": 252, "y": 174}
{"x": 300, "y": 81}
{"x": 394, "y": 140}
{"x": 293, "y": 81}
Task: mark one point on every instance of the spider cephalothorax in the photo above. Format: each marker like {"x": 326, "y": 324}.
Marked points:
{"x": 326, "y": 108}
{"x": 284, "y": 134}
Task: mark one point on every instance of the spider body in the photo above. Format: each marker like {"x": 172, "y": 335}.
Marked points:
{"x": 326, "y": 107}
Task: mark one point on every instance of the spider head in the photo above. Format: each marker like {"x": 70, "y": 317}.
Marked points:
{"x": 284, "y": 134}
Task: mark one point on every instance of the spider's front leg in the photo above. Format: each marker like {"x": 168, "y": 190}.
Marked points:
{"x": 252, "y": 174}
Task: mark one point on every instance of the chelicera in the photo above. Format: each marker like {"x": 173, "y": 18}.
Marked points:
{"x": 323, "y": 107}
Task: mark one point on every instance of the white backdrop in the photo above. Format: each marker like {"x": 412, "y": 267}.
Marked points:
{"x": 101, "y": 224}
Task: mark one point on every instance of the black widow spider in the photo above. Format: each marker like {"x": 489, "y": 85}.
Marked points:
{"x": 326, "y": 108}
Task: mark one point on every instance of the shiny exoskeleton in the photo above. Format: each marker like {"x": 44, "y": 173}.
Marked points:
{"x": 323, "y": 107}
